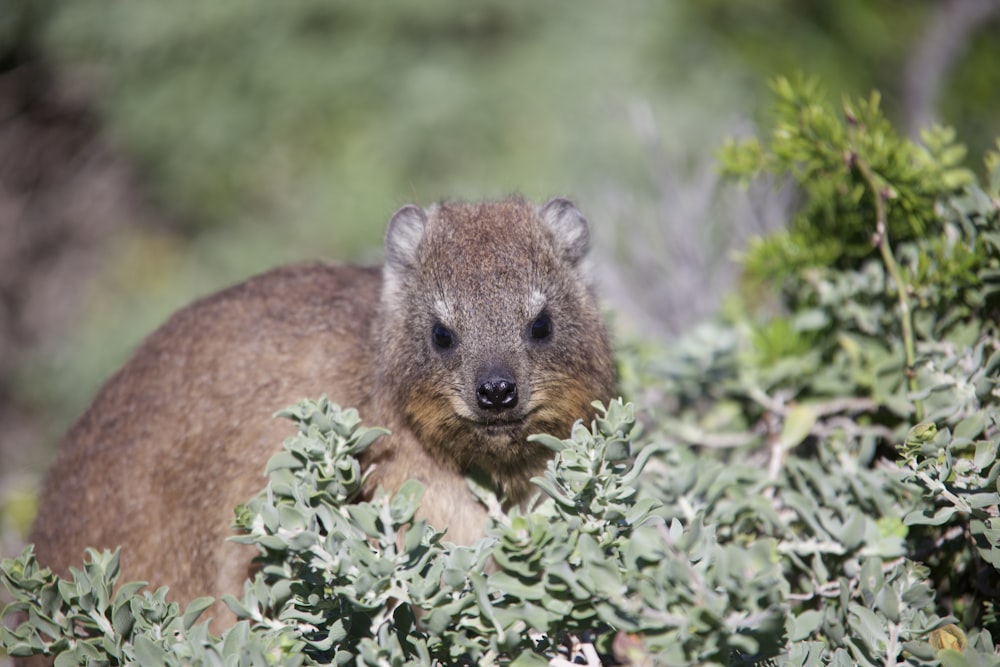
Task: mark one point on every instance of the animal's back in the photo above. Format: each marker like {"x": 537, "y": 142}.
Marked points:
{"x": 181, "y": 434}
{"x": 481, "y": 329}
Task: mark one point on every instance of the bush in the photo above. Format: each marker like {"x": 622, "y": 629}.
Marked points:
{"x": 818, "y": 481}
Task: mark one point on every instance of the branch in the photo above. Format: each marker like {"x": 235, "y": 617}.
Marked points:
{"x": 831, "y": 589}
{"x": 880, "y": 239}
{"x": 892, "y": 646}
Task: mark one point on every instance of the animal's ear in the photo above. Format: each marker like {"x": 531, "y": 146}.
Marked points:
{"x": 569, "y": 228}
{"x": 402, "y": 238}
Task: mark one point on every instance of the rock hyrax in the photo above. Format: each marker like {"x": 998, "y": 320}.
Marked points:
{"x": 480, "y": 329}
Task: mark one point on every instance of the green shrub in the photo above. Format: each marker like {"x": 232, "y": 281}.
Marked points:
{"x": 817, "y": 482}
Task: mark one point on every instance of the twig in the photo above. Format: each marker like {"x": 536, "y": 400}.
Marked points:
{"x": 578, "y": 650}
{"x": 880, "y": 239}
{"x": 846, "y": 404}
{"x": 831, "y": 589}
{"x": 892, "y": 647}
{"x": 723, "y": 440}
{"x": 850, "y": 427}
{"x": 777, "y": 452}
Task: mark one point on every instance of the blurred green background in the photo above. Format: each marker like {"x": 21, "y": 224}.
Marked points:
{"x": 151, "y": 152}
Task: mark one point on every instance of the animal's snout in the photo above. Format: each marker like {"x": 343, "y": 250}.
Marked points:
{"x": 496, "y": 389}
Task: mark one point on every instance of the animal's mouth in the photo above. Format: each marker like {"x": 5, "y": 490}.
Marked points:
{"x": 501, "y": 425}
{"x": 498, "y": 425}
{"x": 501, "y": 428}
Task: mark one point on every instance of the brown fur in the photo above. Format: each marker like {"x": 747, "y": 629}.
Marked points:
{"x": 181, "y": 434}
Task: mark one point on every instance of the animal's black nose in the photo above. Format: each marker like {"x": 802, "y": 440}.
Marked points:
{"x": 497, "y": 393}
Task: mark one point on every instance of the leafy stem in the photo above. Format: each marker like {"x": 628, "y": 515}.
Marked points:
{"x": 880, "y": 239}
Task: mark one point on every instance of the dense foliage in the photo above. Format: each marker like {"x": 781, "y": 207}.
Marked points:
{"x": 817, "y": 481}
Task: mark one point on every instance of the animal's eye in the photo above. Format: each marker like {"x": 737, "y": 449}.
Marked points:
{"x": 541, "y": 328}
{"x": 442, "y": 337}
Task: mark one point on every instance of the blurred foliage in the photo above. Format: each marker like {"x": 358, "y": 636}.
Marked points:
{"x": 300, "y": 111}
{"x": 307, "y": 110}
{"x": 879, "y": 32}
{"x": 858, "y": 45}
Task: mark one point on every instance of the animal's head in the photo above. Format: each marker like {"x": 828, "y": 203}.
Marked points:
{"x": 490, "y": 328}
